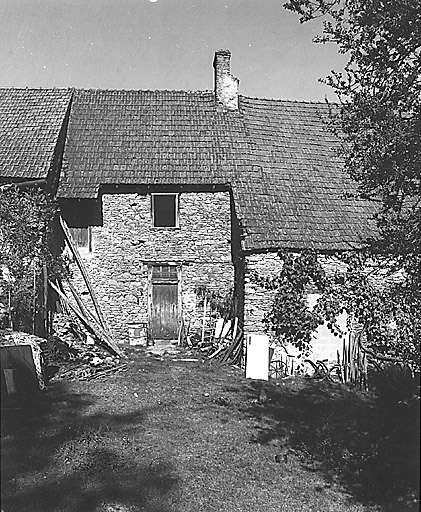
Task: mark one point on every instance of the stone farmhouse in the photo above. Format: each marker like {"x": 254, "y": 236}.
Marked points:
{"x": 168, "y": 192}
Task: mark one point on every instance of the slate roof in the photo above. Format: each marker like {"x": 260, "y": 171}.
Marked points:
{"x": 295, "y": 195}
{"x": 30, "y": 123}
{"x": 148, "y": 137}
{"x": 277, "y": 156}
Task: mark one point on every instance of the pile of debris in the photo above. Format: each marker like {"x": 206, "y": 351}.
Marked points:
{"x": 221, "y": 340}
{"x": 220, "y": 337}
{"x": 68, "y": 354}
{"x": 72, "y": 352}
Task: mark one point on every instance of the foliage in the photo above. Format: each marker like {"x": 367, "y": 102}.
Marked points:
{"x": 361, "y": 287}
{"x": 380, "y": 116}
{"x": 222, "y": 303}
{"x": 289, "y": 318}
{"x": 378, "y": 123}
{"x": 27, "y": 243}
{"x": 383, "y": 304}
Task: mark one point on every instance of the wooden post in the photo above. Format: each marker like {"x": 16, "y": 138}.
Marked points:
{"x": 205, "y": 303}
{"x": 10, "y": 306}
{"x": 34, "y": 296}
{"x": 234, "y": 330}
{"x": 45, "y": 298}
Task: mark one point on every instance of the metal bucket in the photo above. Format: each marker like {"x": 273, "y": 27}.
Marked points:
{"x": 138, "y": 334}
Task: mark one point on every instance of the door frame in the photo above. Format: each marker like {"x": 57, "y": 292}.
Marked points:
{"x": 150, "y": 285}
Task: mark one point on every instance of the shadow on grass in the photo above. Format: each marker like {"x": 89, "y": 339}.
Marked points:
{"x": 369, "y": 446}
{"x": 56, "y": 457}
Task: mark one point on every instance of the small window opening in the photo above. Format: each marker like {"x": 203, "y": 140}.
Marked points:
{"x": 165, "y": 210}
{"x": 82, "y": 237}
{"x": 164, "y": 273}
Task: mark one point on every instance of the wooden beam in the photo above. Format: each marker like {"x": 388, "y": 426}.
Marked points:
{"x": 84, "y": 273}
{"x": 45, "y": 298}
{"x": 95, "y": 330}
{"x": 79, "y": 301}
{"x": 205, "y": 304}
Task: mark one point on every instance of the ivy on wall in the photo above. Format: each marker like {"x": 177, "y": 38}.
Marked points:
{"x": 364, "y": 286}
{"x": 29, "y": 251}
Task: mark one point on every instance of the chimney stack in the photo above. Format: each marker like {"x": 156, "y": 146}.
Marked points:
{"x": 226, "y": 85}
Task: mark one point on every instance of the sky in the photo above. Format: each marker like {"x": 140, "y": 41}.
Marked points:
{"x": 163, "y": 44}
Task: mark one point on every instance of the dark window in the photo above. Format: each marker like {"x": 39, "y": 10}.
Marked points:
{"x": 165, "y": 210}
{"x": 82, "y": 238}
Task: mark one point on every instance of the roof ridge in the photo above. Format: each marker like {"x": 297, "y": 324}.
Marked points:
{"x": 185, "y": 91}
{"x": 300, "y": 102}
{"x": 94, "y": 89}
{"x": 13, "y": 88}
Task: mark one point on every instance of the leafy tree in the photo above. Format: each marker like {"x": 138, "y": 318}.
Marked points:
{"x": 380, "y": 119}
{"x": 28, "y": 248}
{"x": 378, "y": 123}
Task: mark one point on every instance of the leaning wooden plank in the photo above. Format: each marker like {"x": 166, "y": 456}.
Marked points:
{"x": 234, "y": 330}
{"x": 96, "y": 331}
{"x": 236, "y": 356}
{"x": 180, "y": 333}
{"x": 229, "y": 350}
{"x": 79, "y": 301}
{"x": 216, "y": 352}
{"x": 84, "y": 273}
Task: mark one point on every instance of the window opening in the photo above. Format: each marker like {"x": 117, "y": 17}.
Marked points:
{"x": 165, "y": 210}
{"x": 82, "y": 237}
{"x": 164, "y": 273}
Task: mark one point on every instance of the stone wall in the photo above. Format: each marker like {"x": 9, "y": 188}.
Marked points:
{"x": 257, "y": 301}
{"x": 126, "y": 243}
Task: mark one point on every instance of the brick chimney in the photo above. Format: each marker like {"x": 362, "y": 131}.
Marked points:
{"x": 226, "y": 85}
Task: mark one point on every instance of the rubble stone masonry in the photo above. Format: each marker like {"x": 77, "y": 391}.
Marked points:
{"x": 258, "y": 301}
{"x": 127, "y": 243}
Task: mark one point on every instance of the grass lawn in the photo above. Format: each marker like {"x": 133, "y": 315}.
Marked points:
{"x": 190, "y": 436}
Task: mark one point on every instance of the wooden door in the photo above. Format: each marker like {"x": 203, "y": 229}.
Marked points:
{"x": 164, "y": 302}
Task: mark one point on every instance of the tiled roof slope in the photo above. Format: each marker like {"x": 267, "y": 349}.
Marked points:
{"x": 30, "y": 123}
{"x": 148, "y": 137}
{"x": 278, "y": 156}
{"x": 294, "y": 196}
